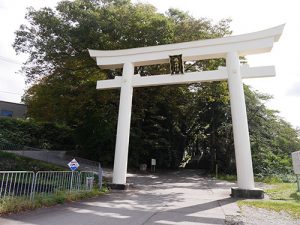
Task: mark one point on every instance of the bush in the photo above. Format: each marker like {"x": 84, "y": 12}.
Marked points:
{"x": 12, "y": 162}
{"x": 19, "y": 204}
{"x": 36, "y": 134}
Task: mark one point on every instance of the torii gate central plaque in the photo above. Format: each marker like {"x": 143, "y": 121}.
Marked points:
{"x": 230, "y": 48}
{"x": 176, "y": 64}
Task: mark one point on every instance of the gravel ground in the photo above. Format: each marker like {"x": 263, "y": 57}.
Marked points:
{"x": 256, "y": 216}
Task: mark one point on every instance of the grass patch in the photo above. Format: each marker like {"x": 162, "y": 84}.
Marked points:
{"x": 283, "y": 197}
{"x": 291, "y": 207}
{"x": 15, "y": 205}
{"x": 12, "y": 162}
{"x": 272, "y": 179}
{"x": 284, "y": 191}
{"x": 268, "y": 179}
{"x": 19, "y": 204}
{"x": 276, "y": 178}
{"x": 227, "y": 177}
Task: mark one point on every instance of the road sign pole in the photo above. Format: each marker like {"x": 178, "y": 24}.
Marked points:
{"x": 100, "y": 174}
{"x": 298, "y": 182}
{"x": 71, "y": 180}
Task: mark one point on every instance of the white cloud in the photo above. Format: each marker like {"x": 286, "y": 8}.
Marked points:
{"x": 294, "y": 90}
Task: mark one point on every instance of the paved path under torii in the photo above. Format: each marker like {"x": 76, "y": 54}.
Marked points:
{"x": 183, "y": 198}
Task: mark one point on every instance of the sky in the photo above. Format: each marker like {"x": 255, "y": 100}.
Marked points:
{"x": 247, "y": 17}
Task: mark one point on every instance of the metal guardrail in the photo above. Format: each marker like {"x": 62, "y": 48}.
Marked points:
{"x": 53, "y": 156}
{"x": 9, "y": 146}
{"x": 16, "y": 183}
{"x": 29, "y": 184}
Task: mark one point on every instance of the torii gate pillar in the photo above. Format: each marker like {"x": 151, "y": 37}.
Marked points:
{"x": 123, "y": 130}
{"x": 230, "y": 48}
{"x": 240, "y": 123}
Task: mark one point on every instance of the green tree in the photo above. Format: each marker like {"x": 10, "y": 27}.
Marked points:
{"x": 167, "y": 122}
{"x": 272, "y": 139}
{"x": 64, "y": 76}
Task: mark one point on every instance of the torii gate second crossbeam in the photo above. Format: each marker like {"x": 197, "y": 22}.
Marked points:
{"x": 230, "y": 48}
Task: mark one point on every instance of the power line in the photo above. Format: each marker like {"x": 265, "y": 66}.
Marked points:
{"x": 13, "y": 93}
{"x": 8, "y": 60}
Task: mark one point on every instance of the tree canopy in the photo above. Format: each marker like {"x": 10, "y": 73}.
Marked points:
{"x": 171, "y": 123}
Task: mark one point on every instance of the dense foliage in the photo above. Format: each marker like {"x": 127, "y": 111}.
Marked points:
{"x": 12, "y": 162}
{"x": 272, "y": 139}
{"x": 169, "y": 123}
{"x": 41, "y": 135}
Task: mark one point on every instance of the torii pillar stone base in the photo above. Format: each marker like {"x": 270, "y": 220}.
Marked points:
{"x": 254, "y": 193}
{"x": 122, "y": 187}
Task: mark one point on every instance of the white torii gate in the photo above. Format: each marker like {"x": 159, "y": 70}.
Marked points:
{"x": 227, "y": 47}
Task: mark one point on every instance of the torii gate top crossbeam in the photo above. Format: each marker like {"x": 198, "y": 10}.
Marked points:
{"x": 252, "y": 43}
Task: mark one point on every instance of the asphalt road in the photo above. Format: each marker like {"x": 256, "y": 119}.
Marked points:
{"x": 182, "y": 198}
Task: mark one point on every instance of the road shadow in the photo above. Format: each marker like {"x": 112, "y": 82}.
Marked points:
{"x": 168, "y": 198}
